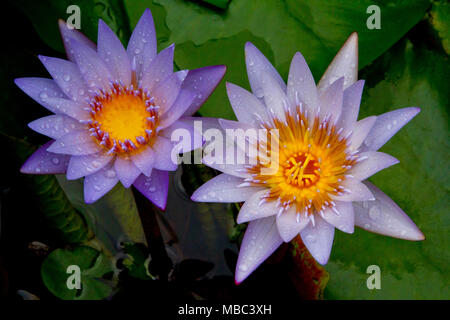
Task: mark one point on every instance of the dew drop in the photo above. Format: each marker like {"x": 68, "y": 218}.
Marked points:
{"x": 374, "y": 212}
{"x": 55, "y": 161}
{"x": 43, "y": 95}
{"x": 243, "y": 267}
{"x": 66, "y": 77}
{"x": 110, "y": 173}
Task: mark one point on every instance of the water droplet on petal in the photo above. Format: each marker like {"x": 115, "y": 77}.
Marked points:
{"x": 55, "y": 161}
{"x": 110, "y": 173}
{"x": 43, "y": 95}
{"x": 66, "y": 77}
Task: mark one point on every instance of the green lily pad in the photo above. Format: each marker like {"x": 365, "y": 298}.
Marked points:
{"x": 96, "y": 272}
{"x": 408, "y": 75}
{"x": 316, "y": 28}
{"x": 44, "y": 15}
{"x": 114, "y": 218}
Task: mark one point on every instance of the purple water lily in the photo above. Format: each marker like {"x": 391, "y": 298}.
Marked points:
{"x": 114, "y": 111}
{"x": 323, "y": 158}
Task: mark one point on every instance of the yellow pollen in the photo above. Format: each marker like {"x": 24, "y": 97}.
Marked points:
{"x": 312, "y": 162}
{"x": 123, "y": 119}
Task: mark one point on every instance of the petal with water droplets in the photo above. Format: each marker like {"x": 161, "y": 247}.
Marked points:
{"x": 126, "y": 171}
{"x": 112, "y": 52}
{"x": 343, "y": 218}
{"x": 344, "y": 64}
{"x": 256, "y": 207}
{"x": 384, "y": 216}
{"x": 374, "y": 162}
{"x": 318, "y": 239}
{"x": 290, "y": 223}
{"x": 56, "y": 126}
{"x": 224, "y": 188}
{"x": 44, "y": 162}
{"x": 261, "y": 239}
{"x": 386, "y": 126}
{"x": 81, "y": 166}
{"x": 155, "y": 187}
{"x": 257, "y": 64}
{"x": 301, "y": 86}
{"x": 68, "y": 77}
{"x": 99, "y": 183}
{"x": 75, "y": 143}
{"x": 246, "y": 106}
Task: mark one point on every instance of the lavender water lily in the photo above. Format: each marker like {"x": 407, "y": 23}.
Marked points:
{"x": 114, "y": 111}
{"x": 323, "y": 157}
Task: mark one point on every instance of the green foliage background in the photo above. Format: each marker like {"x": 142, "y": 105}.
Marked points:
{"x": 405, "y": 63}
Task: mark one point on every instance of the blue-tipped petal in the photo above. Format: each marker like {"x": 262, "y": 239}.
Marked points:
{"x": 202, "y": 81}
{"x": 155, "y": 188}
{"x": 98, "y": 184}
{"x": 44, "y": 162}
{"x": 142, "y": 43}
{"x": 68, "y": 77}
{"x": 56, "y": 126}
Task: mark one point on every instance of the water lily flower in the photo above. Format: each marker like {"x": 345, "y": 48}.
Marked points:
{"x": 324, "y": 157}
{"x": 114, "y": 111}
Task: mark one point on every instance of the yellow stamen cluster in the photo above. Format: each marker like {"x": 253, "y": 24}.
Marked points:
{"x": 312, "y": 162}
{"x": 123, "y": 118}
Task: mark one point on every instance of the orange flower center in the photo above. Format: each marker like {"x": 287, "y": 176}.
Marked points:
{"x": 312, "y": 162}
{"x": 123, "y": 119}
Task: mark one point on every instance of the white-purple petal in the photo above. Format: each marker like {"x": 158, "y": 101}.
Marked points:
{"x": 384, "y": 216}
{"x": 44, "y": 162}
{"x": 331, "y": 101}
{"x": 354, "y": 190}
{"x": 246, "y": 106}
{"x": 344, "y": 64}
{"x": 75, "y": 110}
{"x": 160, "y": 68}
{"x": 56, "y": 126}
{"x": 185, "y": 126}
{"x": 81, "y": 166}
{"x": 343, "y": 219}
{"x": 163, "y": 154}
{"x": 155, "y": 187}
{"x": 360, "y": 131}
{"x": 301, "y": 86}
{"x": 99, "y": 183}
{"x": 166, "y": 92}
{"x": 75, "y": 143}
{"x": 261, "y": 239}
{"x": 41, "y": 89}
{"x": 318, "y": 239}
{"x": 257, "y": 207}
{"x": 387, "y": 125}
{"x": 92, "y": 68}
{"x": 224, "y": 188}
{"x": 275, "y": 97}
{"x": 126, "y": 171}
{"x": 350, "y": 106}
{"x": 374, "y": 162}
{"x": 68, "y": 77}
{"x": 144, "y": 160}
{"x": 142, "y": 43}
{"x": 257, "y": 64}
{"x": 202, "y": 81}
{"x": 72, "y": 33}
{"x": 290, "y": 223}
{"x": 177, "y": 109}
{"x": 113, "y": 54}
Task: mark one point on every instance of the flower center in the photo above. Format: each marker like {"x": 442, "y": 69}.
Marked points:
{"x": 123, "y": 118}
{"x": 312, "y": 162}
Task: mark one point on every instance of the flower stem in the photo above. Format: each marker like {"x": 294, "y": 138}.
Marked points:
{"x": 160, "y": 263}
